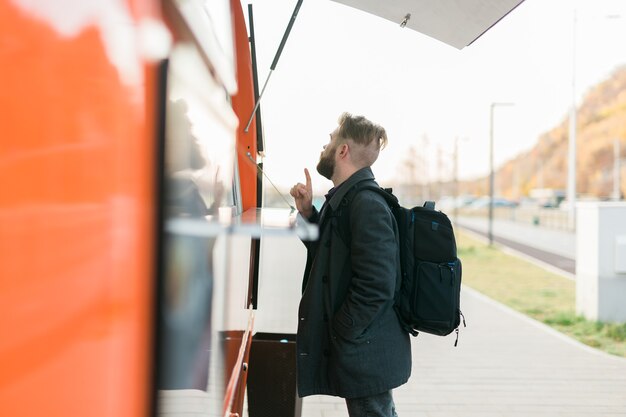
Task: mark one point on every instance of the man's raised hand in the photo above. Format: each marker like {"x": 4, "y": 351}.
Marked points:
{"x": 303, "y": 195}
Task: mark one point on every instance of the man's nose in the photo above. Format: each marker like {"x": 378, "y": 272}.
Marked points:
{"x": 324, "y": 147}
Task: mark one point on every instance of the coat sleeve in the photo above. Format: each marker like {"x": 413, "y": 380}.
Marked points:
{"x": 314, "y": 219}
{"x": 373, "y": 257}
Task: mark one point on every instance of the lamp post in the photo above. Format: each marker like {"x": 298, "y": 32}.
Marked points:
{"x": 455, "y": 202}
{"x": 617, "y": 161}
{"x": 571, "y": 144}
{"x": 571, "y": 150}
{"x": 491, "y": 170}
{"x": 455, "y": 173}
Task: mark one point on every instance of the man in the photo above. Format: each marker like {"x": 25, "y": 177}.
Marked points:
{"x": 350, "y": 343}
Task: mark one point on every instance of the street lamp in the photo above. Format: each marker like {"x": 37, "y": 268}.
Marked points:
{"x": 456, "y": 178}
{"x": 491, "y": 171}
{"x": 617, "y": 162}
{"x": 571, "y": 149}
{"x": 571, "y": 144}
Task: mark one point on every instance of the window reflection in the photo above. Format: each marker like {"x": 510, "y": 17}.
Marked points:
{"x": 187, "y": 185}
{"x": 186, "y": 330}
{"x": 198, "y": 181}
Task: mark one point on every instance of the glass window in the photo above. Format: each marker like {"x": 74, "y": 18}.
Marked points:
{"x": 199, "y": 192}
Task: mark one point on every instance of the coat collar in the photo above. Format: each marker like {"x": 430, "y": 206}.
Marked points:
{"x": 361, "y": 175}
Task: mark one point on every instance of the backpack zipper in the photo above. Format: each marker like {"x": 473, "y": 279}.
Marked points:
{"x": 452, "y": 273}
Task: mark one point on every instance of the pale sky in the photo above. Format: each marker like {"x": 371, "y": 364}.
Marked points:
{"x": 341, "y": 59}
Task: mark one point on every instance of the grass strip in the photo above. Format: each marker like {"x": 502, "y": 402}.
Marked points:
{"x": 532, "y": 290}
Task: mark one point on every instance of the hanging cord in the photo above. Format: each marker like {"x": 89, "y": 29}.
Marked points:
{"x": 260, "y": 171}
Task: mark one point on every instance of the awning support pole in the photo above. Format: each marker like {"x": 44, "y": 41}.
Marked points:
{"x": 276, "y": 57}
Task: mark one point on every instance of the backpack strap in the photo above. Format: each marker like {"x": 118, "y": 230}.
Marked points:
{"x": 342, "y": 214}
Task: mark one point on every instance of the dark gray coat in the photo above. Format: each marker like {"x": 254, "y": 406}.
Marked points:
{"x": 350, "y": 343}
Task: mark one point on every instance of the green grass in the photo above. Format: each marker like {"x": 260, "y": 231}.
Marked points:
{"x": 540, "y": 294}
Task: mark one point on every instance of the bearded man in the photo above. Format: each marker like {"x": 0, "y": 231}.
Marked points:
{"x": 350, "y": 343}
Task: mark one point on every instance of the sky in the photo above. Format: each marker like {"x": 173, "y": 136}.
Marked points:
{"x": 424, "y": 92}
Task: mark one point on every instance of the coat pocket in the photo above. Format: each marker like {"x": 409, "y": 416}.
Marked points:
{"x": 342, "y": 329}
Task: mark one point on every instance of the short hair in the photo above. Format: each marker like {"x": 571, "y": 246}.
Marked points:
{"x": 370, "y": 137}
{"x": 361, "y": 130}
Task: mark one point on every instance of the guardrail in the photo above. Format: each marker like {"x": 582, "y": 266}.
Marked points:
{"x": 548, "y": 218}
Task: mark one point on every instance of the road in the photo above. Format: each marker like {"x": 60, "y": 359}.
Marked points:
{"x": 553, "y": 247}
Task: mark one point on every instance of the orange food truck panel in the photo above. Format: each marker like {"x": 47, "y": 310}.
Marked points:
{"x": 77, "y": 156}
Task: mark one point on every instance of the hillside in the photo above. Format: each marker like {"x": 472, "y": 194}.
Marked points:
{"x": 601, "y": 119}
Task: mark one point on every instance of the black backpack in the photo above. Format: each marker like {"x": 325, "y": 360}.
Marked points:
{"x": 428, "y": 299}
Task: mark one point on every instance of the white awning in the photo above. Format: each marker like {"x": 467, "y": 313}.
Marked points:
{"x": 455, "y": 22}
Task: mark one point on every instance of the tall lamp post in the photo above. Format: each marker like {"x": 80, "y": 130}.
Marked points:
{"x": 491, "y": 170}
{"x": 617, "y": 162}
{"x": 571, "y": 149}
{"x": 455, "y": 202}
{"x": 455, "y": 173}
{"x": 571, "y": 144}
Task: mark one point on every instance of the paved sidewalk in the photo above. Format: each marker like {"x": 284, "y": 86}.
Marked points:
{"x": 505, "y": 365}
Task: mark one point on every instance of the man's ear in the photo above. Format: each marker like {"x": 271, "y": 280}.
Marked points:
{"x": 343, "y": 150}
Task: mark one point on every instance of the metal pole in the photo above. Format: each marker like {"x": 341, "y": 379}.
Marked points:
{"x": 616, "y": 171}
{"x": 571, "y": 154}
{"x": 275, "y": 61}
{"x": 491, "y": 169}
{"x": 456, "y": 180}
{"x": 260, "y": 145}
{"x": 491, "y": 175}
{"x": 425, "y": 168}
{"x": 439, "y": 192}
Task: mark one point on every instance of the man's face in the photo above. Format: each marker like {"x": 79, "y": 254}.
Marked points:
{"x": 326, "y": 165}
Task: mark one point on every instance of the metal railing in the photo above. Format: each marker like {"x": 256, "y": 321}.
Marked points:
{"x": 544, "y": 217}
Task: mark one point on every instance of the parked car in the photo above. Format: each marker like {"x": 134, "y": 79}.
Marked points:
{"x": 483, "y": 202}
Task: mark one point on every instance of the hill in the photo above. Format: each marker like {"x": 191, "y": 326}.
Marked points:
{"x": 601, "y": 120}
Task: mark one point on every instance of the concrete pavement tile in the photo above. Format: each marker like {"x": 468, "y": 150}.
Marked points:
{"x": 335, "y": 413}
{"x": 505, "y": 365}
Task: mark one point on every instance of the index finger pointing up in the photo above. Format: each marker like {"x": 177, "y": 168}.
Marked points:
{"x": 308, "y": 179}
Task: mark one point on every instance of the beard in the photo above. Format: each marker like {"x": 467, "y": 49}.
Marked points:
{"x": 326, "y": 165}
